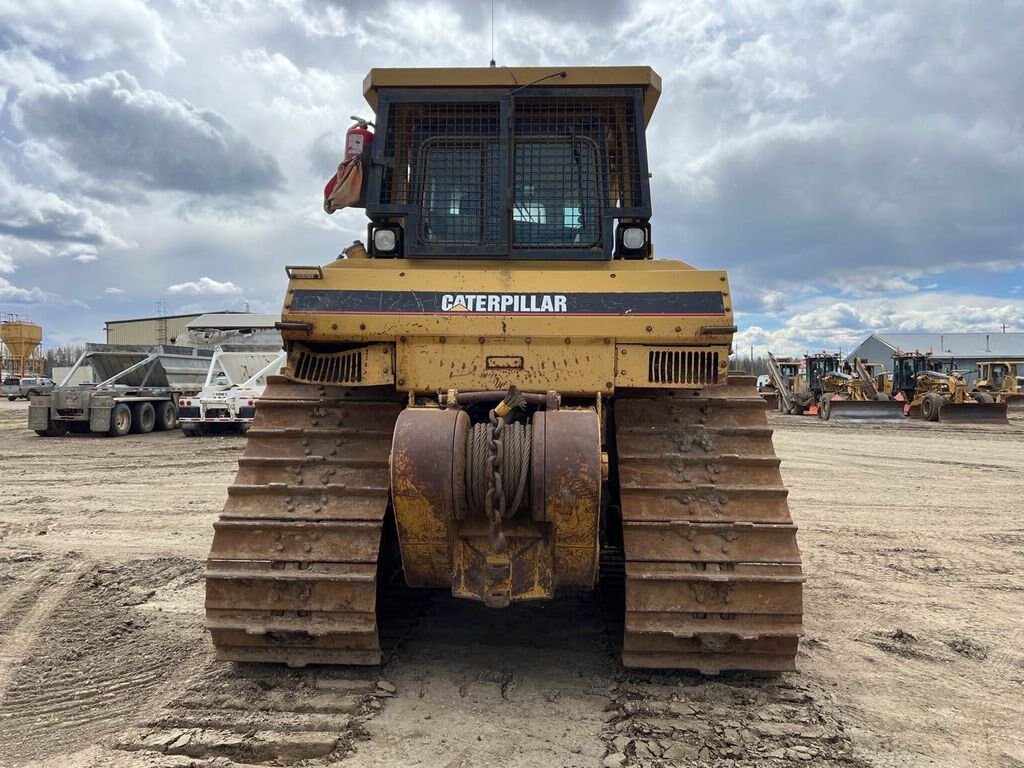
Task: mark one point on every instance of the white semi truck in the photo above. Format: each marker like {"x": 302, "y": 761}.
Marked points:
{"x": 234, "y": 382}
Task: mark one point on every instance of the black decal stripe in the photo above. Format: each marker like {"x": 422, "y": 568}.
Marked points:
{"x": 655, "y": 303}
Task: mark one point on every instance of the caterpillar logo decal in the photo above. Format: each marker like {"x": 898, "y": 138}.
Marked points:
{"x": 652, "y": 303}
{"x": 503, "y": 303}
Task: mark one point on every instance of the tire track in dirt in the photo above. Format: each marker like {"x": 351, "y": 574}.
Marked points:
{"x": 261, "y": 714}
{"x": 84, "y": 659}
{"x": 15, "y": 643}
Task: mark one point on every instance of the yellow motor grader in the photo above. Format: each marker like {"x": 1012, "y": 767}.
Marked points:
{"x": 788, "y": 368}
{"x": 798, "y": 382}
{"x": 937, "y": 395}
{"x": 845, "y": 396}
{"x": 1000, "y": 381}
{"x": 505, "y": 389}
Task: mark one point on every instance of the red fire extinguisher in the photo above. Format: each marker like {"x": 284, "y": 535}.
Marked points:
{"x": 358, "y": 138}
{"x": 345, "y": 188}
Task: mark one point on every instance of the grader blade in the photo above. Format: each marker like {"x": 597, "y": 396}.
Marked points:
{"x": 1015, "y": 404}
{"x": 973, "y": 413}
{"x": 866, "y": 410}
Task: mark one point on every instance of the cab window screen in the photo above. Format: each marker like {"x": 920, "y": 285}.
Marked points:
{"x": 556, "y": 194}
{"x": 460, "y": 200}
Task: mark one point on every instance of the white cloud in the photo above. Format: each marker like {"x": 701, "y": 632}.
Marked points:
{"x": 205, "y": 286}
{"x": 83, "y": 254}
{"x": 772, "y": 302}
{"x": 114, "y": 129}
{"x": 824, "y": 323}
{"x": 114, "y": 291}
{"x": 94, "y": 30}
{"x": 31, "y": 213}
{"x": 12, "y": 293}
{"x": 20, "y": 68}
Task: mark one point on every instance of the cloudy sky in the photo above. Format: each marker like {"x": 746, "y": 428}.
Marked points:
{"x": 856, "y": 165}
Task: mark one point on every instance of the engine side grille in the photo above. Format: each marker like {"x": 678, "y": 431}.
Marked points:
{"x": 682, "y": 366}
{"x": 327, "y": 367}
{"x": 368, "y": 366}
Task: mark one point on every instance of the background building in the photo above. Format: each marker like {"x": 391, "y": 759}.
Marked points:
{"x": 147, "y": 330}
{"x": 963, "y": 350}
{"x": 179, "y": 329}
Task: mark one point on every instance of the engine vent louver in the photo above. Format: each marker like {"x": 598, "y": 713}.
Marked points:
{"x": 327, "y": 367}
{"x": 682, "y": 366}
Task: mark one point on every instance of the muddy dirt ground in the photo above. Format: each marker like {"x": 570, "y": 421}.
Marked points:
{"x": 913, "y": 543}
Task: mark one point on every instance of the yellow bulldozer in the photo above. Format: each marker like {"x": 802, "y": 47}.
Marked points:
{"x": 505, "y": 388}
{"x": 1000, "y": 381}
{"x": 935, "y": 394}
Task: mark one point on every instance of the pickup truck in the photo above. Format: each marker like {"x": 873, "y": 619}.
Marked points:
{"x": 14, "y": 387}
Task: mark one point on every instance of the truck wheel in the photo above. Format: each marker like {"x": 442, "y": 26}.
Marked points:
{"x": 12, "y": 398}
{"x": 55, "y": 429}
{"x": 882, "y": 396}
{"x": 824, "y": 409}
{"x": 143, "y": 418}
{"x": 982, "y": 397}
{"x": 192, "y": 430}
{"x": 120, "y": 420}
{"x": 166, "y": 416}
{"x": 930, "y": 406}
{"x": 80, "y": 428}
{"x": 30, "y": 393}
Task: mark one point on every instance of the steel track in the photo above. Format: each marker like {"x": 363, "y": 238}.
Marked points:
{"x": 292, "y": 572}
{"x": 713, "y": 576}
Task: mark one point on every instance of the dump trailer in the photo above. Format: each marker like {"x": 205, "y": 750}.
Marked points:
{"x": 846, "y": 397}
{"x": 536, "y": 395}
{"x": 234, "y": 382}
{"x": 999, "y": 380}
{"x": 936, "y": 395}
{"x": 138, "y": 391}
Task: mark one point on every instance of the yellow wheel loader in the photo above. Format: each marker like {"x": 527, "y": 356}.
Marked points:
{"x": 936, "y": 395}
{"x": 505, "y": 387}
{"x": 999, "y": 380}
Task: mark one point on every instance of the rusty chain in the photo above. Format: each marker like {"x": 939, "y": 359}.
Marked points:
{"x": 496, "y": 487}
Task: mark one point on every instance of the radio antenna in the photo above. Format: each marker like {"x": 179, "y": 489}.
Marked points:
{"x": 492, "y": 33}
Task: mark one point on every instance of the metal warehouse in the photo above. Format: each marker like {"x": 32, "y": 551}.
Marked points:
{"x": 181, "y": 329}
{"x": 148, "y": 330}
{"x": 963, "y": 350}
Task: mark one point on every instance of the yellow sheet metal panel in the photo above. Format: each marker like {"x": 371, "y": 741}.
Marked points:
{"x": 654, "y": 301}
{"x": 507, "y": 78}
{"x": 426, "y": 363}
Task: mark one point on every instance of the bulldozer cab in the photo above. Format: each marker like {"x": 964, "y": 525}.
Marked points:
{"x": 522, "y": 163}
{"x": 997, "y": 376}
